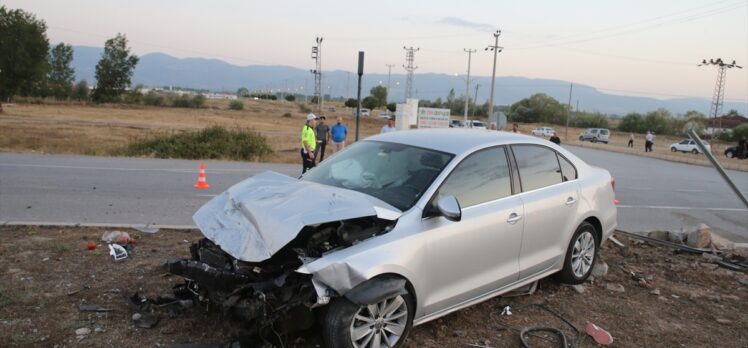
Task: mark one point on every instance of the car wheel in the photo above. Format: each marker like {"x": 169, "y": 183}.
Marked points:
{"x": 594, "y": 140}
{"x": 694, "y": 151}
{"x": 672, "y": 149}
{"x": 580, "y": 255}
{"x": 384, "y": 323}
{"x": 730, "y": 154}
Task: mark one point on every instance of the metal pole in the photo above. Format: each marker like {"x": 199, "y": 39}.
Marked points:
{"x": 568, "y": 113}
{"x": 389, "y": 74}
{"x": 475, "y": 100}
{"x": 496, "y": 49}
{"x": 710, "y": 156}
{"x": 467, "y": 83}
{"x": 360, "y": 73}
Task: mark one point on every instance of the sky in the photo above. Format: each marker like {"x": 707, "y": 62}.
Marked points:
{"x": 634, "y": 47}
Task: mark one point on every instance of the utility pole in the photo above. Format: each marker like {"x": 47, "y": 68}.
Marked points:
{"x": 410, "y": 54}
{"x": 389, "y": 74}
{"x": 317, "y": 71}
{"x": 358, "y": 104}
{"x": 496, "y": 49}
{"x": 719, "y": 88}
{"x": 568, "y": 113}
{"x": 475, "y": 100}
{"x": 467, "y": 82}
{"x": 348, "y": 86}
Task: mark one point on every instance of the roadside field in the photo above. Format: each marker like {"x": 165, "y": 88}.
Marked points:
{"x": 687, "y": 301}
{"x": 101, "y": 129}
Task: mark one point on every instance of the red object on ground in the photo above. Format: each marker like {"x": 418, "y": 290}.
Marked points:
{"x": 598, "y": 334}
{"x": 91, "y": 245}
{"x": 201, "y": 181}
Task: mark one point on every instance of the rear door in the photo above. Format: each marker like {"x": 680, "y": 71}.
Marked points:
{"x": 479, "y": 253}
{"x": 550, "y": 197}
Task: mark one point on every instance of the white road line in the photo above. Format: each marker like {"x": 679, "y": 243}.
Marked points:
{"x": 687, "y": 190}
{"x": 217, "y": 171}
{"x": 199, "y": 195}
{"x": 681, "y": 208}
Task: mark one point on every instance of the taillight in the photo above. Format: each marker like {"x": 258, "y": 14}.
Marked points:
{"x": 613, "y": 184}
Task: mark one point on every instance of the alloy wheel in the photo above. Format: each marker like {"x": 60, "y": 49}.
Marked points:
{"x": 583, "y": 254}
{"x": 381, "y": 324}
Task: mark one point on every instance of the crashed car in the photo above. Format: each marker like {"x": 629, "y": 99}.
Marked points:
{"x": 397, "y": 230}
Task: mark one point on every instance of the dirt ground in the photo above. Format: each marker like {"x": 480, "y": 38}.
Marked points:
{"x": 99, "y": 129}
{"x": 48, "y": 273}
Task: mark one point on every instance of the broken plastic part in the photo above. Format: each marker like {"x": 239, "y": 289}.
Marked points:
{"x": 118, "y": 252}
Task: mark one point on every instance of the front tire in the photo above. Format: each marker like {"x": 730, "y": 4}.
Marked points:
{"x": 672, "y": 149}
{"x": 581, "y": 255}
{"x": 695, "y": 152}
{"x": 594, "y": 140}
{"x": 729, "y": 154}
{"x": 385, "y": 323}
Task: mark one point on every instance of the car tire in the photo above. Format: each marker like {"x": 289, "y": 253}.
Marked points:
{"x": 594, "y": 140}
{"x": 729, "y": 154}
{"x": 605, "y": 142}
{"x": 672, "y": 149}
{"x": 341, "y": 322}
{"x": 581, "y": 255}
{"x": 581, "y": 138}
{"x": 694, "y": 151}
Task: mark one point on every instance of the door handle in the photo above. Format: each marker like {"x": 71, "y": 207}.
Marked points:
{"x": 513, "y": 218}
{"x": 570, "y": 201}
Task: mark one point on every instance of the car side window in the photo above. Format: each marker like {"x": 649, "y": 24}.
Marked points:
{"x": 684, "y": 142}
{"x": 538, "y": 166}
{"x": 481, "y": 177}
{"x": 568, "y": 172}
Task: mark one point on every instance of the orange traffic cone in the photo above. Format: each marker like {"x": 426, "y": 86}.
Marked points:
{"x": 201, "y": 183}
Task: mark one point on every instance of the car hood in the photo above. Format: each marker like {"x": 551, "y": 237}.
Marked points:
{"x": 255, "y": 218}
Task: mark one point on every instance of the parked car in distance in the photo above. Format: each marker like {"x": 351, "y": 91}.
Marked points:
{"x": 476, "y": 124}
{"x": 731, "y": 151}
{"x": 364, "y": 112}
{"x": 543, "y": 131}
{"x": 397, "y": 230}
{"x": 595, "y": 134}
{"x": 456, "y": 124}
{"x": 385, "y": 115}
{"x": 688, "y": 145}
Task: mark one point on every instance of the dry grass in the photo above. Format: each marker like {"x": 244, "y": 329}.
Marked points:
{"x": 99, "y": 130}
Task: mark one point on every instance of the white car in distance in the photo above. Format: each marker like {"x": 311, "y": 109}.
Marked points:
{"x": 688, "y": 145}
{"x": 543, "y": 131}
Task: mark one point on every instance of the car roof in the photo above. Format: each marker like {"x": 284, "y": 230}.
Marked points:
{"x": 455, "y": 140}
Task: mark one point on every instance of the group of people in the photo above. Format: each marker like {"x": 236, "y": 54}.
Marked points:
{"x": 315, "y": 135}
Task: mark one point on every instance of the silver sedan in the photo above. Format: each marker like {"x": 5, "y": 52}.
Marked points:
{"x": 400, "y": 229}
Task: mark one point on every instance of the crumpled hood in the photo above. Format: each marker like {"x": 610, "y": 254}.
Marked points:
{"x": 255, "y": 218}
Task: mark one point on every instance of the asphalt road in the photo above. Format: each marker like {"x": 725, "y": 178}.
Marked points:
{"x": 654, "y": 194}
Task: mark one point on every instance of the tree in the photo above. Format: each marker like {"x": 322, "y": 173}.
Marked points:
{"x": 61, "y": 75}
{"x": 658, "y": 121}
{"x": 82, "y": 91}
{"x": 379, "y": 92}
{"x": 632, "y": 122}
{"x": 115, "y": 69}
{"x": 351, "y": 103}
{"x": 242, "y": 92}
{"x": 391, "y": 107}
{"x": 23, "y": 52}
{"x": 539, "y": 107}
{"x": 370, "y": 102}
{"x": 290, "y": 97}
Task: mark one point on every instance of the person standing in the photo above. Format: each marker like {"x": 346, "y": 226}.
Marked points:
{"x": 339, "y": 133}
{"x": 323, "y": 137}
{"x": 308, "y": 143}
{"x": 631, "y": 140}
{"x": 389, "y": 127}
{"x": 648, "y": 143}
{"x": 555, "y": 139}
{"x": 515, "y": 128}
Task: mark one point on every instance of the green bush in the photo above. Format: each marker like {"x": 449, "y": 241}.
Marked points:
{"x": 236, "y": 105}
{"x": 210, "y": 143}
{"x": 288, "y": 114}
{"x": 739, "y": 131}
{"x": 291, "y": 97}
{"x": 590, "y": 120}
{"x": 198, "y": 101}
{"x": 304, "y": 108}
{"x": 154, "y": 99}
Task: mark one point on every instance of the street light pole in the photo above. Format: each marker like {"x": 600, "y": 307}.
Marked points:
{"x": 496, "y": 49}
{"x": 467, "y": 82}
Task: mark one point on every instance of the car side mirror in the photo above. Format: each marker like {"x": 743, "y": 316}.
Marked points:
{"x": 449, "y": 207}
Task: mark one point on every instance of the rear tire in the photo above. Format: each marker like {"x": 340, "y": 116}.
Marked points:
{"x": 729, "y": 154}
{"x": 694, "y": 151}
{"x": 594, "y": 140}
{"x": 348, "y": 325}
{"x": 581, "y": 255}
{"x": 672, "y": 149}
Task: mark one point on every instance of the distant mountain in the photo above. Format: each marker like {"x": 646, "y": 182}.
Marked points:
{"x": 158, "y": 70}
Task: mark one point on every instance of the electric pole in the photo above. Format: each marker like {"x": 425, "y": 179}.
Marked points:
{"x": 410, "y": 54}
{"x": 719, "y": 87}
{"x": 475, "y": 99}
{"x": 317, "y": 71}
{"x": 496, "y": 49}
{"x": 467, "y": 82}
{"x": 389, "y": 73}
{"x": 568, "y": 113}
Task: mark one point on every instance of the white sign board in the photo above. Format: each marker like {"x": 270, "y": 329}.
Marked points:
{"x": 406, "y": 115}
{"x": 433, "y": 118}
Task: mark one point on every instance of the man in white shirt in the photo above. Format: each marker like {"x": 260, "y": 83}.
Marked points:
{"x": 389, "y": 127}
{"x": 649, "y": 142}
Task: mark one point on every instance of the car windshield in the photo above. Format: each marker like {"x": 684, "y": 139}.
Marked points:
{"x": 395, "y": 173}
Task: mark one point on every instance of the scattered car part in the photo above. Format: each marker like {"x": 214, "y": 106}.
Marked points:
{"x": 117, "y": 252}
{"x": 90, "y": 307}
{"x": 146, "y": 228}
